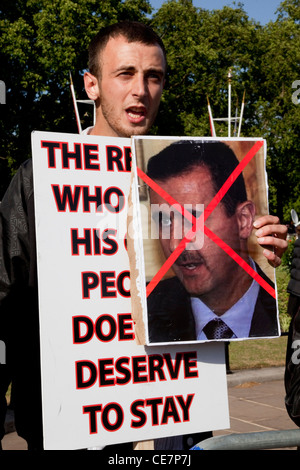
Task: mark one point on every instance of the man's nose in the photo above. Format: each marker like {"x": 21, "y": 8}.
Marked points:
{"x": 174, "y": 242}
{"x": 186, "y": 232}
{"x": 139, "y": 86}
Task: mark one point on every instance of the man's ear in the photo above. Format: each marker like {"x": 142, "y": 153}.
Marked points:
{"x": 245, "y": 213}
{"x": 91, "y": 86}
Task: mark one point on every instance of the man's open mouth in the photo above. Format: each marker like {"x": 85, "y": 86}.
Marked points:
{"x": 136, "y": 114}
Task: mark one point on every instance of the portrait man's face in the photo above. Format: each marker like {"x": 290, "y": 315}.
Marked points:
{"x": 204, "y": 268}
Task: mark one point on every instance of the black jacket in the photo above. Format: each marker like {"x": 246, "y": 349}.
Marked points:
{"x": 294, "y": 283}
{"x": 292, "y": 370}
{"x": 19, "y": 320}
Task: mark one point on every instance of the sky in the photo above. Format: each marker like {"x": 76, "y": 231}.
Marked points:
{"x": 260, "y": 10}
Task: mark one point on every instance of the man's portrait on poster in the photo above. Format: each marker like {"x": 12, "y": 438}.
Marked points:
{"x": 203, "y": 206}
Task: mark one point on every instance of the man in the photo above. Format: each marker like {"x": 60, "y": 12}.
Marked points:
{"x": 127, "y": 67}
{"x": 292, "y": 371}
{"x": 129, "y": 63}
{"x": 212, "y": 296}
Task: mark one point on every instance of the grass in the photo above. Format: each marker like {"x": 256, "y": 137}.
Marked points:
{"x": 257, "y": 353}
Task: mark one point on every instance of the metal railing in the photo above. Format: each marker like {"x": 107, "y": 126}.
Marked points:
{"x": 252, "y": 441}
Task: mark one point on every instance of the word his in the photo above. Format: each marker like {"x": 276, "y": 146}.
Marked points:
{"x": 94, "y": 242}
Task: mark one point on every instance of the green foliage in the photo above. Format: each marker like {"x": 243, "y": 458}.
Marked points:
{"x": 202, "y": 45}
{"x": 282, "y": 280}
{"x": 41, "y": 41}
{"x": 288, "y": 255}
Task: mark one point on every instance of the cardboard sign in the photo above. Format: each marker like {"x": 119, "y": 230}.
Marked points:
{"x": 199, "y": 264}
{"x": 100, "y": 386}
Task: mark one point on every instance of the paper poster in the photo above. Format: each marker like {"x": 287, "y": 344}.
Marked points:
{"x": 201, "y": 275}
{"x": 100, "y": 386}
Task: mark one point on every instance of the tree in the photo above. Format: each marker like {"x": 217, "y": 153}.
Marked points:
{"x": 202, "y": 45}
{"x": 40, "y": 43}
{"x": 279, "y": 115}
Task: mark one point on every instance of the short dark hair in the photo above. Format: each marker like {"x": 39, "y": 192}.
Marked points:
{"x": 182, "y": 156}
{"x": 133, "y": 31}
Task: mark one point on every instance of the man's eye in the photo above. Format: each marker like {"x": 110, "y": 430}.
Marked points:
{"x": 154, "y": 77}
{"x": 164, "y": 220}
{"x": 125, "y": 74}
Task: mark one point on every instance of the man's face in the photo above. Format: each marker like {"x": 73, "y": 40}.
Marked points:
{"x": 204, "y": 269}
{"x": 130, "y": 87}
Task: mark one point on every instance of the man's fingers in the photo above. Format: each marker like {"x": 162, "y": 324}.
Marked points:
{"x": 279, "y": 243}
{"x": 272, "y": 236}
{"x": 279, "y": 231}
{"x": 272, "y": 258}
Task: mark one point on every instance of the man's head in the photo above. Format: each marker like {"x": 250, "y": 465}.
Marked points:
{"x": 132, "y": 31}
{"x": 127, "y": 68}
{"x": 192, "y": 172}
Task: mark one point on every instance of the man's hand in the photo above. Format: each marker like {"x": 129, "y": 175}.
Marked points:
{"x": 272, "y": 234}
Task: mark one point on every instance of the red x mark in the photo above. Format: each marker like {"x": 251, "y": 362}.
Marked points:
{"x": 212, "y": 205}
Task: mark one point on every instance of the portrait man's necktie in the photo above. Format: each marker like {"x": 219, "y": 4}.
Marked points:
{"x": 217, "y": 329}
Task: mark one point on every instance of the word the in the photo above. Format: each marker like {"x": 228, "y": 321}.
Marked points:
{"x": 86, "y": 156}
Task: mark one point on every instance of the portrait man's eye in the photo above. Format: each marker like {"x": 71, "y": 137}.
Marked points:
{"x": 164, "y": 220}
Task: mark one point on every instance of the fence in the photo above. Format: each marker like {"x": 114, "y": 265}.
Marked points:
{"x": 252, "y": 441}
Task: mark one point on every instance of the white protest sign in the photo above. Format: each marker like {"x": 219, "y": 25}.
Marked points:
{"x": 99, "y": 386}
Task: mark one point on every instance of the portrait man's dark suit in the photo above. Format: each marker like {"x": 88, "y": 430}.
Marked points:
{"x": 170, "y": 316}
